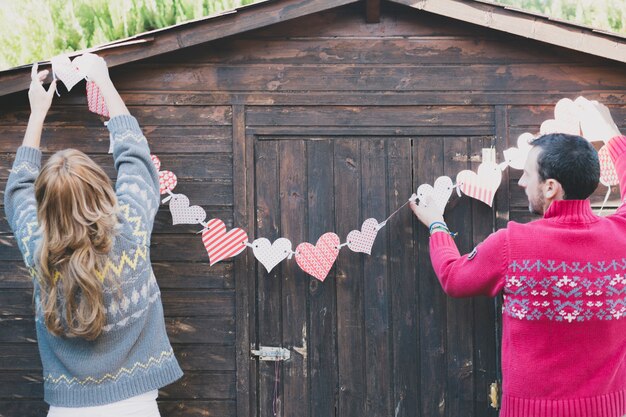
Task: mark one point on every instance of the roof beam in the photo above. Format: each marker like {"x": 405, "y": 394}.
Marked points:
{"x": 526, "y": 25}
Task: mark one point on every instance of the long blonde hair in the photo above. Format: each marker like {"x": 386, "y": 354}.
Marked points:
{"x": 76, "y": 209}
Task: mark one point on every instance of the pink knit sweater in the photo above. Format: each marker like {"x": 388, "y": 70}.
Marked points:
{"x": 564, "y": 313}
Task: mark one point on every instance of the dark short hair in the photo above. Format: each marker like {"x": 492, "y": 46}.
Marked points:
{"x": 572, "y": 161}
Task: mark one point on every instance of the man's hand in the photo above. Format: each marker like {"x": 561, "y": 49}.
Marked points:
{"x": 596, "y": 123}
{"x": 427, "y": 211}
{"x": 40, "y": 99}
{"x": 93, "y": 67}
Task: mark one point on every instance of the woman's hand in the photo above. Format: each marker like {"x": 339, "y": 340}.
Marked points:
{"x": 93, "y": 67}
{"x": 40, "y": 99}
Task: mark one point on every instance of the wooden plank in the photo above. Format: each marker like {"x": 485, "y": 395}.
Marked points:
{"x": 376, "y": 283}
{"x": 198, "y": 303}
{"x": 95, "y": 139}
{"x": 359, "y": 77}
{"x": 369, "y": 116}
{"x": 428, "y": 165}
{"x": 350, "y": 326}
{"x": 364, "y": 132}
{"x": 322, "y": 296}
{"x": 16, "y": 407}
{"x": 402, "y": 276}
{"x": 201, "y": 385}
{"x": 294, "y": 210}
{"x": 382, "y": 48}
{"x": 459, "y": 330}
{"x": 205, "y": 357}
{"x": 269, "y": 285}
{"x": 188, "y": 275}
{"x": 533, "y": 116}
{"x": 198, "y": 408}
{"x": 14, "y": 274}
{"x": 148, "y": 115}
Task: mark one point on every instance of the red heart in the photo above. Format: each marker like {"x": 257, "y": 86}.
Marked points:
{"x": 95, "y": 101}
{"x": 319, "y": 259}
{"x": 167, "y": 181}
{"x": 221, "y": 245}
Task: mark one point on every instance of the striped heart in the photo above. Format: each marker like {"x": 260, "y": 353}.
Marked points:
{"x": 481, "y": 186}
{"x": 363, "y": 240}
{"x": 167, "y": 181}
{"x": 221, "y": 245}
{"x": 319, "y": 259}
{"x": 95, "y": 101}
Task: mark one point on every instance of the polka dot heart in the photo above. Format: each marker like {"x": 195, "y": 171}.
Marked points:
{"x": 167, "y": 181}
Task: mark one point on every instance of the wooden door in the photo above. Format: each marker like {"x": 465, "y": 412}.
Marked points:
{"x": 378, "y": 337}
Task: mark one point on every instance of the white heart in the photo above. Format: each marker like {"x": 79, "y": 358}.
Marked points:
{"x": 182, "y": 213}
{"x": 441, "y": 192}
{"x": 516, "y": 157}
{"x": 363, "y": 240}
{"x": 271, "y": 254}
{"x": 482, "y": 185}
{"x": 65, "y": 71}
{"x": 566, "y": 114}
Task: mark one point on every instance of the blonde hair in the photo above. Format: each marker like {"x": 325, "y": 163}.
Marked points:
{"x": 76, "y": 209}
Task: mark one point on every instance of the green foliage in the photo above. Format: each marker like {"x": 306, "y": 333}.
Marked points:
{"x": 36, "y": 30}
{"x": 608, "y": 15}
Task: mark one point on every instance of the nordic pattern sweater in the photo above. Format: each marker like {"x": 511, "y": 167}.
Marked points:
{"x": 563, "y": 278}
{"x": 133, "y": 354}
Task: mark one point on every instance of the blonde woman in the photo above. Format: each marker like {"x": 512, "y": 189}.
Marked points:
{"x": 99, "y": 317}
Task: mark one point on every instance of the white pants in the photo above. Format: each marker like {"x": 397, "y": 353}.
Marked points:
{"x": 143, "y": 405}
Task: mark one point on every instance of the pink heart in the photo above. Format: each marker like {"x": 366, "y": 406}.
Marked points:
{"x": 156, "y": 161}
{"x": 182, "y": 213}
{"x": 66, "y": 71}
{"x": 362, "y": 241}
{"x": 608, "y": 175}
{"x": 482, "y": 185}
{"x": 95, "y": 101}
{"x": 221, "y": 245}
{"x": 319, "y": 259}
{"x": 167, "y": 181}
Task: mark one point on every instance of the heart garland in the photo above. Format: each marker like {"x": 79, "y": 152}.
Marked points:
{"x": 69, "y": 73}
{"x": 363, "y": 240}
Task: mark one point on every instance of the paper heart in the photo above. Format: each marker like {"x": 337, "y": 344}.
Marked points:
{"x": 221, "y": 245}
{"x": 95, "y": 100}
{"x": 441, "y": 192}
{"x": 362, "y": 241}
{"x": 271, "y": 254}
{"x": 516, "y": 157}
{"x": 182, "y": 213}
{"x": 319, "y": 259}
{"x": 608, "y": 175}
{"x": 566, "y": 115}
{"x": 66, "y": 71}
{"x": 167, "y": 181}
{"x": 156, "y": 161}
{"x": 482, "y": 185}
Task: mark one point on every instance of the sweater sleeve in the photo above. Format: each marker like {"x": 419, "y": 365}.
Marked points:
{"x": 137, "y": 183}
{"x": 481, "y": 272}
{"x": 20, "y": 205}
{"x": 617, "y": 150}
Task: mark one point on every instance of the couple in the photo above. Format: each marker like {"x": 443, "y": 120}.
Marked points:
{"x": 99, "y": 316}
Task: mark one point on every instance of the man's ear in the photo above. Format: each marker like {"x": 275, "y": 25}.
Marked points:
{"x": 553, "y": 190}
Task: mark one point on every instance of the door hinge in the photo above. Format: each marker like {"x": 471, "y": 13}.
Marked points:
{"x": 494, "y": 395}
{"x": 268, "y": 353}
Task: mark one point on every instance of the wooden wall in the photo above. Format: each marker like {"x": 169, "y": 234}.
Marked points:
{"x": 301, "y": 128}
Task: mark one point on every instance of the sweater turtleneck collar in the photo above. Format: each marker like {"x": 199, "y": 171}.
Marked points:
{"x": 571, "y": 211}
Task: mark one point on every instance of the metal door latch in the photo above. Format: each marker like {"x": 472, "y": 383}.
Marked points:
{"x": 268, "y": 353}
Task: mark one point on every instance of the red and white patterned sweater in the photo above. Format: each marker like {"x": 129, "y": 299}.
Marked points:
{"x": 564, "y": 313}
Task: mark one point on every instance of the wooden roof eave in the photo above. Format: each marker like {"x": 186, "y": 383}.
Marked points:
{"x": 188, "y": 34}
{"x": 528, "y": 25}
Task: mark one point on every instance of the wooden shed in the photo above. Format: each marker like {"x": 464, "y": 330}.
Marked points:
{"x": 292, "y": 118}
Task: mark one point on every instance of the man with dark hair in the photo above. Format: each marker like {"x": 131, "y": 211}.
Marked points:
{"x": 563, "y": 278}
